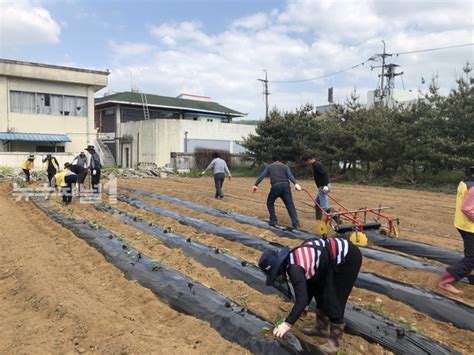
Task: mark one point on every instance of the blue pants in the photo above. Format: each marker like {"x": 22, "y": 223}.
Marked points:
{"x": 322, "y": 199}
{"x": 219, "y": 182}
{"x": 465, "y": 266}
{"x": 283, "y": 191}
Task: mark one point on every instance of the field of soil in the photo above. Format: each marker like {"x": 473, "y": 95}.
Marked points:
{"x": 59, "y": 295}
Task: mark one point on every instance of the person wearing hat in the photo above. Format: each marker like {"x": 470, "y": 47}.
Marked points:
{"x": 64, "y": 180}
{"x": 27, "y": 166}
{"x": 52, "y": 167}
{"x": 464, "y": 222}
{"x": 324, "y": 269}
{"x": 94, "y": 166}
{"x": 279, "y": 174}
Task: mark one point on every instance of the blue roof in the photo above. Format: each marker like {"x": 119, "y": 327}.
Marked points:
{"x": 34, "y": 137}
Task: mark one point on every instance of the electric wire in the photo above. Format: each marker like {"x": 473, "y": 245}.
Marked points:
{"x": 362, "y": 63}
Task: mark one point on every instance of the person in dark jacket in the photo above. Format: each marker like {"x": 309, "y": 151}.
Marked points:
{"x": 279, "y": 174}
{"x": 81, "y": 173}
{"x": 95, "y": 167}
{"x": 324, "y": 269}
{"x": 52, "y": 167}
{"x": 322, "y": 183}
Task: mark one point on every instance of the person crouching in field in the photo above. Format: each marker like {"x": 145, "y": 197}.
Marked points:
{"x": 219, "y": 168}
{"x": 325, "y": 269}
{"x": 27, "y": 166}
{"x": 81, "y": 173}
{"x": 64, "y": 180}
{"x": 464, "y": 222}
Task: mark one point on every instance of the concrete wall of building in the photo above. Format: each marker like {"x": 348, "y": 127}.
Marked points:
{"x": 41, "y": 78}
{"x": 46, "y": 72}
{"x": 156, "y": 139}
{"x": 187, "y": 161}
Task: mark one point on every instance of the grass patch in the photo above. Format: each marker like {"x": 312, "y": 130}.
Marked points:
{"x": 6, "y": 170}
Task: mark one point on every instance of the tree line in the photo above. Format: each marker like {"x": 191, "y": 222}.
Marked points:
{"x": 431, "y": 134}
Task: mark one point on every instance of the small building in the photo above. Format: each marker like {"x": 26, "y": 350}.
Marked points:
{"x": 141, "y": 128}
{"x": 46, "y": 108}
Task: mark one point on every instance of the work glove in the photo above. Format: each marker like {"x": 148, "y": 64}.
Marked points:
{"x": 203, "y": 173}
{"x": 281, "y": 329}
{"x": 254, "y": 189}
{"x": 298, "y": 187}
{"x": 94, "y": 172}
{"x": 230, "y": 177}
{"x": 326, "y": 189}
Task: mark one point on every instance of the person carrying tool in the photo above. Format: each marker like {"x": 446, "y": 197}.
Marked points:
{"x": 219, "y": 168}
{"x": 64, "y": 180}
{"x": 95, "y": 167}
{"x": 464, "y": 222}
{"x": 81, "y": 173}
{"x": 325, "y": 269}
{"x": 322, "y": 183}
{"x": 52, "y": 167}
{"x": 27, "y": 166}
{"x": 279, "y": 174}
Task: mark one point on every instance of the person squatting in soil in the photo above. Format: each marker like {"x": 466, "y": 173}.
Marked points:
{"x": 81, "y": 173}
{"x": 279, "y": 174}
{"x": 64, "y": 180}
{"x": 322, "y": 183}
{"x": 464, "y": 222}
{"x": 52, "y": 167}
{"x": 219, "y": 169}
{"x": 95, "y": 167}
{"x": 325, "y": 269}
{"x": 27, "y": 166}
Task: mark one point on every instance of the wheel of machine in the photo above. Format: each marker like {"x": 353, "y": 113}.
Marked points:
{"x": 358, "y": 238}
{"x": 321, "y": 227}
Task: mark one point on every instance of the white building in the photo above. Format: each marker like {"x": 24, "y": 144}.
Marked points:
{"x": 46, "y": 108}
{"x": 145, "y": 129}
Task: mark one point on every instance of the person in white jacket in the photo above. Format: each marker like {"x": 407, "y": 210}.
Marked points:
{"x": 219, "y": 167}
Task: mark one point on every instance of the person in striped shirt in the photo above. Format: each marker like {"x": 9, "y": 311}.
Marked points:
{"x": 324, "y": 269}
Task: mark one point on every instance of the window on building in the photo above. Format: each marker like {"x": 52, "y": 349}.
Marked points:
{"x": 47, "y": 104}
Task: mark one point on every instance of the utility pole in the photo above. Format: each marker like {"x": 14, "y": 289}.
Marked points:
{"x": 383, "y": 66}
{"x": 265, "y": 92}
{"x": 383, "y": 71}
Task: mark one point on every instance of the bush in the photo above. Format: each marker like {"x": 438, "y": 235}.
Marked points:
{"x": 6, "y": 170}
{"x": 203, "y": 157}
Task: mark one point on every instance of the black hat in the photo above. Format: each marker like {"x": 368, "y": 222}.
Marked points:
{"x": 31, "y": 157}
{"x": 271, "y": 261}
{"x": 90, "y": 147}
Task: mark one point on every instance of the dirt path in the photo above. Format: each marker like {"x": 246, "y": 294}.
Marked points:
{"x": 58, "y": 295}
{"x": 425, "y": 216}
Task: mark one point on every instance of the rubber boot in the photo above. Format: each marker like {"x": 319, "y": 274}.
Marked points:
{"x": 319, "y": 213}
{"x": 321, "y": 329}
{"x": 335, "y": 339}
{"x": 446, "y": 284}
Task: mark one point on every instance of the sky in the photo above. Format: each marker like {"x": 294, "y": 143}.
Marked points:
{"x": 219, "y": 48}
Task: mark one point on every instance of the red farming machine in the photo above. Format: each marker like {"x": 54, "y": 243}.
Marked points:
{"x": 343, "y": 220}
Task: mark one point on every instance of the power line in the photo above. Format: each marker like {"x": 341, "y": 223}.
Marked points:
{"x": 434, "y": 49}
{"x": 319, "y": 77}
{"x": 362, "y": 63}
